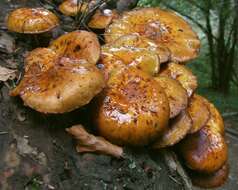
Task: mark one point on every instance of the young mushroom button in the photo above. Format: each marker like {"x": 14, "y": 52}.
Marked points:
{"x": 73, "y": 7}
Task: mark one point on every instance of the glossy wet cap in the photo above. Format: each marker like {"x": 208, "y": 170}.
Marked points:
{"x": 133, "y": 109}
{"x": 163, "y": 27}
{"x": 31, "y": 20}
{"x": 56, "y": 84}
{"x": 72, "y": 7}
{"x": 204, "y": 151}
{"x": 78, "y": 44}
{"x": 182, "y": 74}
{"x": 212, "y": 180}
{"x": 216, "y": 120}
{"x": 102, "y": 18}
{"x": 137, "y": 41}
{"x": 178, "y": 128}
{"x": 199, "y": 112}
{"x": 113, "y": 58}
{"x": 177, "y": 95}
{"x": 62, "y": 77}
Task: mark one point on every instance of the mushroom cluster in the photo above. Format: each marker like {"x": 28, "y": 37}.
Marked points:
{"x": 151, "y": 99}
{"x": 146, "y": 94}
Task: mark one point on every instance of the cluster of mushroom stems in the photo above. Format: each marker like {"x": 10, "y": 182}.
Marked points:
{"x": 144, "y": 95}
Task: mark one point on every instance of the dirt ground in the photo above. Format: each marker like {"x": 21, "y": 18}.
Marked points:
{"x": 36, "y": 153}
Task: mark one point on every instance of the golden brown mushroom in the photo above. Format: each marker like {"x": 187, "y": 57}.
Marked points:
{"x": 163, "y": 27}
{"x": 212, "y": 180}
{"x": 181, "y": 74}
{"x": 72, "y": 7}
{"x": 56, "y": 84}
{"x": 63, "y": 77}
{"x": 102, "y": 18}
{"x": 31, "y": 20}
{"x": 133, "y": 110}
{"x": 199, "y": 112}
{"x": 78, "y": 45}
{"x": 177, "y": 130}
{"x": 113, "y": 58}
{"x": 204, "y": 151}
{"x": 216, "y": 120}
{"x": 177, "y": 95}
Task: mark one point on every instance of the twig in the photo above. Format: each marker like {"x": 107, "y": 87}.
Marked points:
{"x": 232, "y": 132}
{"x": 3, "y": 132}
{"x": 175, "y": 180}
{"x": 229, "y": 114}
{"x": 175, "y": 167}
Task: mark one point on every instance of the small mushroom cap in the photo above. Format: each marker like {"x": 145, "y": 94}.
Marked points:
{"x": 31, "y": 20}
{"x": 199, "y": 112}
{"x": 78, "y": 45}
{"x": 212, "y": 180}
{"x": 216, "y": 120}
{"x": 136, "y": 41}
{"x": 56, "y": 84}
{"x": 102, "y": 18}
{"x": 72, "y": 8}
{"x": 114, "y": 58}
{"x": 177, "y": 95}
{"x": 133, "y": 110}
{"x": 163, "y": 27}
{"x": 177, "y": 130}
{"x": 204, "y": 151}
{"x": 182, "y": 74}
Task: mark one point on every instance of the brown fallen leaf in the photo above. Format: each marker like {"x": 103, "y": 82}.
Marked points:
{"x": 89, "y": 143}
{"x": 6, "y": 74}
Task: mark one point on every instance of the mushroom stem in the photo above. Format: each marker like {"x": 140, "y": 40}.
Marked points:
{"x": 90, "y": 143}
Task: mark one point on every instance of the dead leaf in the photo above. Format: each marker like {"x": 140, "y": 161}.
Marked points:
{"x": 89, "y": 143}
{"x": 7, "y": 74}
{"x": 7, "y": 43}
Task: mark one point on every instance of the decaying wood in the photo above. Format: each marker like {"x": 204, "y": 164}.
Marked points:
{"x": 89, "y": 143}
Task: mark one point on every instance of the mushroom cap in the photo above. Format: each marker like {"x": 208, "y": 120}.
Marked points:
{"x": 199, "y": 112}
{"x": 177, "y": 130}
{"x": 136, "y": 41}
{"x": 102, "y": 18}
{"x": 71, "y": 8}
{"x": 161, "y": 26}
{"x": 177, "y": 95}
{"x": 78, "y": 45}
{"x": 113, "y": 58}
{"x": 212, "y": 180}
{"x": 133, "y": 109}
{"x": 56, "y": 84}
{"x": 204, "y": 151}
{"x": 31, "y": 20}
{"x": 182, "y": 74}
{"x": 216, "y": 120}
